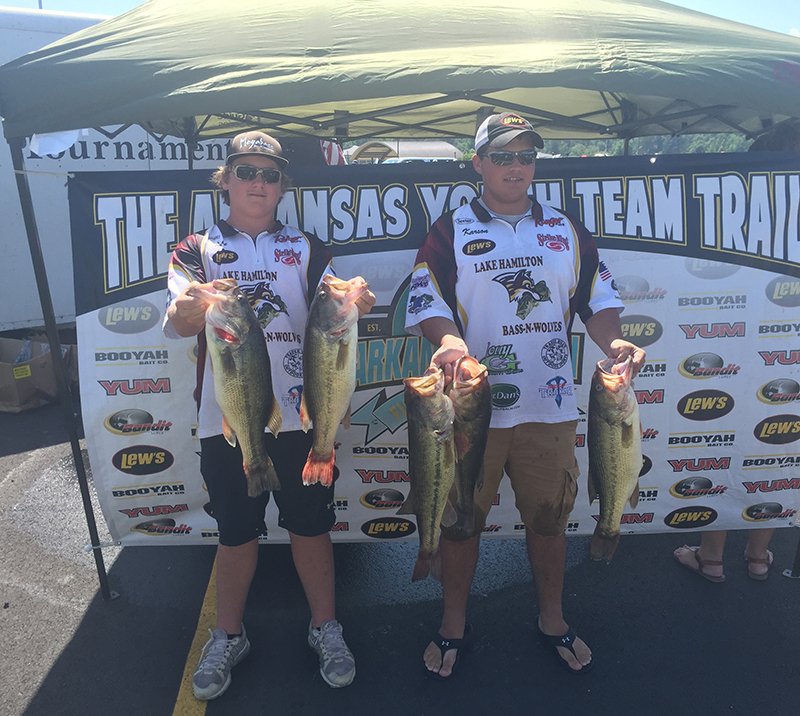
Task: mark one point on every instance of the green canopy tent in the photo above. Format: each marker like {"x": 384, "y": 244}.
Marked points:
{"x": 387, "y": 68}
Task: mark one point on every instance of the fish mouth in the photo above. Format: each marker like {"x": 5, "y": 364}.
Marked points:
{"x": 428, "y": 384}
{"x": 615, "y": 375}
{"x": 468, "y": 374}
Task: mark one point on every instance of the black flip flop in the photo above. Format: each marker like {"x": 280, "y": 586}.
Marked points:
{"x": 566, "y": 641}
{"x": 461, "y": 645}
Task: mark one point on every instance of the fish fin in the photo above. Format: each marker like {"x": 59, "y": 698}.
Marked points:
{"x": 590, "y": 487}
{"x": 305, "y": 418}
{"x": 261, "y": 477}
{"x": 275, "y": 419}
{"x": 318, "y": 469}
{"x": 346, "y": 418}
{"x": 422, "y": 568}
{"x": 602, "y": 546}
{"x": 634, "y": 498}
{"x": 449, "y": 516}
{"x": 227, "y": 431}
{"x": 342, "y": 355}
{"x": 408, "y": 507}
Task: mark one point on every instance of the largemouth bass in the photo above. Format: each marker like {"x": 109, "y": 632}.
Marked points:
{"x": 431, "y": 462}
{"x": 329, "y": 370}
{"x": 615, "y": 451}
{"x": 472, "y": 405}
{"x": 243, "y": 382}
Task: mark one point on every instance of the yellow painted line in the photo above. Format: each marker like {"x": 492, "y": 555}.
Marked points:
{"x": 186, "y": 704}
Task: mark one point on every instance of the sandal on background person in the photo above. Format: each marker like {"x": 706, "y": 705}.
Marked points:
{"x": 697, "y": 564}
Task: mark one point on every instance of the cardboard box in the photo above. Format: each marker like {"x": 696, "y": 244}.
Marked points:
{"x": 27, "y": 377}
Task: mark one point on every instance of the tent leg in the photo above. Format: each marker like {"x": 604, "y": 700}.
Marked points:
{"x": 794, "y": 572}
{"x": 64, "y": 394}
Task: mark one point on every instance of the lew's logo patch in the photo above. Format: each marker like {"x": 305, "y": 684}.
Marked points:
{"x": 478, "y": 247}
{"x": 225, "y": 257}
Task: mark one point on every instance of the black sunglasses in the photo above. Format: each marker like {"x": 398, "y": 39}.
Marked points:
{"x": 503, "y": 159}
{"x": 247, "y": 172}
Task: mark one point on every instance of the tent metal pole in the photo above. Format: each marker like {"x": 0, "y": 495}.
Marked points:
{"x": 64, "y": 394}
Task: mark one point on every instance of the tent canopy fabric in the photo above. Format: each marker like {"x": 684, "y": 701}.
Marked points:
{"x": 356, "y": 69}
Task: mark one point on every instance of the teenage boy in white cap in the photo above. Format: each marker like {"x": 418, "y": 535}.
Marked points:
{"x": 505, "y": 274}
{"x": 278, "y": 268}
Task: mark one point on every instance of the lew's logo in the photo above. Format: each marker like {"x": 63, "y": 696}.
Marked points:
{"x": 135, "y": 386}
{"x": 784, "y": 291}
{"x": 641, "y": 330}
{"x": 142, "y": 460}
{"x": 388, "y": 528}
{"x": 767, "y": 511}
{"x": 687, "y": 518}
{"x": 713, "y": 330}
{"x": 133, "y": 316}
{"x": 705, "y": 405}
{"x": 478, "y": 247}
{"x": 778, "y": 429}
{"x": 780, "y": 390}
{"x": 224, "y": 257}
{"x": 703, "y": 268}
{"x": 696, "y": 487}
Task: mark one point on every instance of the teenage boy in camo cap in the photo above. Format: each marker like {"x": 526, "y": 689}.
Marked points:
{"x": 283, "y": 267}
{"x": 505, "y": 270}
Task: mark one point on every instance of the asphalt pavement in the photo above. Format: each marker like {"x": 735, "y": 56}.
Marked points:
{"x": 665, "y": 641}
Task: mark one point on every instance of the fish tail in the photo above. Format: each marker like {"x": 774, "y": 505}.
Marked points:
{"x": 261, "y": 477}
{"x": 422, "y": 568}
{"x": 603, "y": 545}
{"x": 318, "y": 469}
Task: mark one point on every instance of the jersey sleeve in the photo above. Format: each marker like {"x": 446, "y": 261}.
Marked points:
{"x": 596, "y": 290}
{"x": 185, "y": 266}
{"x": 432, "y": 291}
{"x": 319, "y": 264}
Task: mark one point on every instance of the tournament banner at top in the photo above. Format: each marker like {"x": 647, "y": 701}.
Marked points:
{"x": 705, "y": 251}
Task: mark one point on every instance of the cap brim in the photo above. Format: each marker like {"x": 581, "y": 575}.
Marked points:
{"x": 283, "y": 162}
{"x": 511, "y": 135}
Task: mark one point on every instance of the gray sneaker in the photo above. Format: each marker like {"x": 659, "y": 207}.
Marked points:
{"x": 336, "y": 664}
{"x": 219, "y": 656}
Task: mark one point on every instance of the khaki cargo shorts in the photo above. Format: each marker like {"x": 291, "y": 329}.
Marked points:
{"x": 539, "y": 459}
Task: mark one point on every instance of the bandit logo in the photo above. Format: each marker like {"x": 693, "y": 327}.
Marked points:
{"x": 704, "y": 269}
{"x": 705, "y": 405}
{"x": 388, "y": 528}
{"x": 224, "y": 257}
{"x": 780, "y": 357}
{"x": 142, "y": 460}
{"x": 635, "y": 288}
{"x": 780, "y": 390}
{"x": 133, "y": 421}
{"x": 706, "y": 365}
{"x": 649, "y": 434}
{"x": 784, "y": 291}
{"x": 154, "y": 511}
{"x": 699, "y": 486}
{"x": 288, "y": 257}
{"x": 265, "y": 302}
{"x": 700, "y": 464}
{"x": 505, "y": 395}
{"x": 555, "y": 353}
{"x": 778, "y": 429}
{"x": 647, "y": 465}
{"x": 641, "y": 330}
{"x": 419, "y": 302}
{"x": 764, "y": 511}
{"x": 162, "y": 526}
{"x": 478, "y": 247}
{"x": 293, "y": 363}
{"x": 776, "y": 328}
{"x": 133, "y": 316}
{"x": 167, "y": 488}
{"x": 135, "y": 386}
{"x": 713, "y": 330}
{"x": 501, "y": 360}
{"x": 688, "y": 518}
{"x": 523, "y": 291}
{"x": 133, "y": 357}
{"x": 385, "y": 498}
{"x": 492, "y": 528}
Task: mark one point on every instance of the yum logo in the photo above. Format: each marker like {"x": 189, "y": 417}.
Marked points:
{"x": 713, "y": 330}
{"x": 780, "y": 357}
{"x": 135, "y": 386}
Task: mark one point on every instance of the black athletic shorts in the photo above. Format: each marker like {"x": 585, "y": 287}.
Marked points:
{"x": 305, "y": 510}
